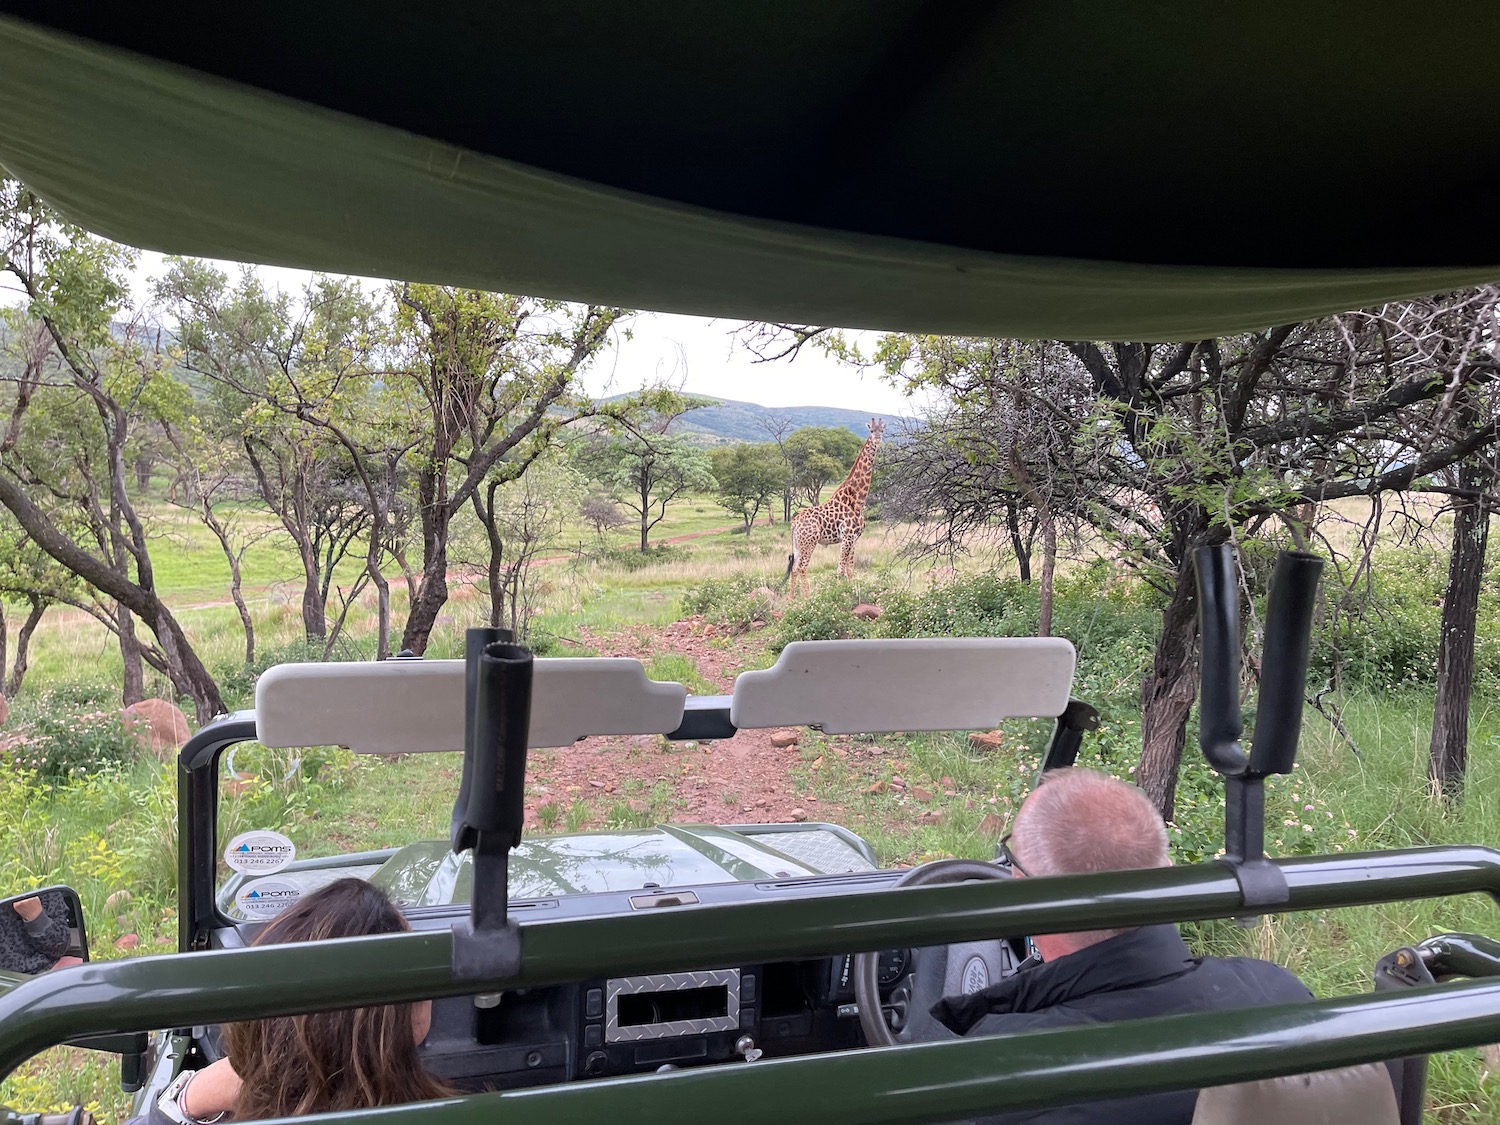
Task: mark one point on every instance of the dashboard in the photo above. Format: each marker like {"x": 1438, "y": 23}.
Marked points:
{"x": 635, "y": 1025}
{"x": 639, "y": 1024}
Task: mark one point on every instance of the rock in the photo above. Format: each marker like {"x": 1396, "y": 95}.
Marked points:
{"x": 785, "y": 737}
{"x": 817, "y": 763}
{"x": 757, "y": 624}
{"x": 877, "y": 788}
{"x": 596, "y": 783}
{"x": 799, "y": 814}
{"x": 920, "y": 794}
{"x": 991, "y": 825}
{"x": 866, "y": 611}
{"x": 931, "y": 816}
{"x": 117, "y": 900}
{"x": 127, "y": 941}
{"x": 710, "y": 630}
{"x": 947, "y": 783}
{"x": 985, "y": 740}
{"x": 158, "y": 726}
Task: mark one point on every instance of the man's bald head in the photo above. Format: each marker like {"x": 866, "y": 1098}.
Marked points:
{"x": 1078, "y": 822}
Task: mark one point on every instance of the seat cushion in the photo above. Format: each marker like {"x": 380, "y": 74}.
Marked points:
{"x": 1353, "y": 1095}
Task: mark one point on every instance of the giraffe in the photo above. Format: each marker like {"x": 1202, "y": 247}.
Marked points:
{"x": 839, "y": 519}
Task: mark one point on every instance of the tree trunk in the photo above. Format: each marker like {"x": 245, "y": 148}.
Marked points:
{"x": 645, "y": 518}
{"x": 3, "y": 641}
{"x": 1167, "y": 694}
{"x": 1448, "y": 754}
{"x": 188, "y": 674}
{"x": 432, "y": 595}
{"x": 1049, "y": 570}
{"x": 314, "y": 595}
{"x": 314, "y": 604}
{"x": 143, "y": 467}
{"x": 133, "y": 689}
{"x": 484, "y": 511}
{"x": 23, "y": 646}
{"x": 236, "y": 591}
{"x": 1017, "y": 543}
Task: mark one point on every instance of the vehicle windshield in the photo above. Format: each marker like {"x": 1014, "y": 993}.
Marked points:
{"x": 612, "y": 814}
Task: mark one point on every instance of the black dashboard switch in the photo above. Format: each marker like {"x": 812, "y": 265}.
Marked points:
{"x": 747, "y": 988}
{"x": 593, "y": 1035}
{"x": 747, "y": 1018}
{"x": 593, "y": 1003}
{"x": 594, "y": 1065}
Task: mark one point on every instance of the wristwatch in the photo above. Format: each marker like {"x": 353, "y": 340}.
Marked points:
{"x": 170, "y": 1102}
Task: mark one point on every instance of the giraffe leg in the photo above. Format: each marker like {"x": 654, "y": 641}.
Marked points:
{"x": 846, "y": 556}
{"x": 804, "y": 560}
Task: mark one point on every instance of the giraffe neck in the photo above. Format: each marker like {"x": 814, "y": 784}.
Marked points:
{"x": 856, "y": 486}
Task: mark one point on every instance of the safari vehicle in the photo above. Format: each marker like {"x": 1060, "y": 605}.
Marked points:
{"x": 1124, "y": 171}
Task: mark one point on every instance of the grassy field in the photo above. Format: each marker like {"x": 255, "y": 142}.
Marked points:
{"x": 115, "y": 831}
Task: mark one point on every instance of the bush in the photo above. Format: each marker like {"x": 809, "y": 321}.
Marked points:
{"x": 734, "y": 602}
{"x": 59, "y": 746}
{"x": 629, "y": 558}
{"x": 237, "y": 681}
{"x": 826, "y": 614}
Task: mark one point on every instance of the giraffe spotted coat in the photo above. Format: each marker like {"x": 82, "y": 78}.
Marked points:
{"x": 840, "y": 519}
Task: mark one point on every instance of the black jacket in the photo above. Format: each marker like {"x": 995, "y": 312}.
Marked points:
{"x": 1146, "y": 972}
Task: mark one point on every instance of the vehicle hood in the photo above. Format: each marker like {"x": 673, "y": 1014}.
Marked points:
{"x": 429, "y": 874}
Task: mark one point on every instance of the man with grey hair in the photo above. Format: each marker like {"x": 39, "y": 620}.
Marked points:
{"x": 1079, "y": 822}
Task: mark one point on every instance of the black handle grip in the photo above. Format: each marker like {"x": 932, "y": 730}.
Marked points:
{"x": 475, "y": 641}
{"x": 1283, "y": 668}
{"x": 502, "y": 725}
{"x": 1219, "y": 722}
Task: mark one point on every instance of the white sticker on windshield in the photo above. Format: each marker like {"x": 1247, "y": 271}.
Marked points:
{"x": 266, "y": 898}
{"x": 259, "y": 852}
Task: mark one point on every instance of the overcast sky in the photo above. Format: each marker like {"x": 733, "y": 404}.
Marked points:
{"x": 696, "y": 353}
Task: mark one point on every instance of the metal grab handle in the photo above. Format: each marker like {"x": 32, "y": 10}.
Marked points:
{"x": 1219, "y": 722}
{"x": 1283, "y": 666}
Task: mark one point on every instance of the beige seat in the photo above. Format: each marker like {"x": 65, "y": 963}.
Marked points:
{"x": 1353, "y": 1095}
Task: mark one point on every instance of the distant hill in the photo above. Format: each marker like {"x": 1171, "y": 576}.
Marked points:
{"x": 732, "y": 421}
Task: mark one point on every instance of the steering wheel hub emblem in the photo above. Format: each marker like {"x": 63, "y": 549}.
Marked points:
{"x": 976, "y": 975}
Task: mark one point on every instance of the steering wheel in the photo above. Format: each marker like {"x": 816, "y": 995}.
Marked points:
{"x": 940, "y": 970}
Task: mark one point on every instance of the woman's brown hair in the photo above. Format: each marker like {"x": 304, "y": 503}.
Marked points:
{"x": 325, "y": 1061}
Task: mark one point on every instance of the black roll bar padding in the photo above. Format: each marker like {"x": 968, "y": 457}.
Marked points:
{"x": 1283, "y": 666}
{"x": 1219, "y": 722}
{"x": 497, "y": 730}
{"x": 475, "y": 641}
{"x": 1076, "y": 720}
{"x": 502, "y": 724}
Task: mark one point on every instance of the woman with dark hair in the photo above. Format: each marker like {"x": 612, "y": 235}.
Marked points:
{"x": 324, "y": 1061}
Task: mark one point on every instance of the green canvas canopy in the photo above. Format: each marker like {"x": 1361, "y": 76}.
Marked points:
{"x": 1133, "y": 169}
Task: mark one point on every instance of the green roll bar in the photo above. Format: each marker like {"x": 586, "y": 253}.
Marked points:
{"x": 181, "y": 989}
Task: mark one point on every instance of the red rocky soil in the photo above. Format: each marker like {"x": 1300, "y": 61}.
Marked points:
{"x": 744, "y": 779}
